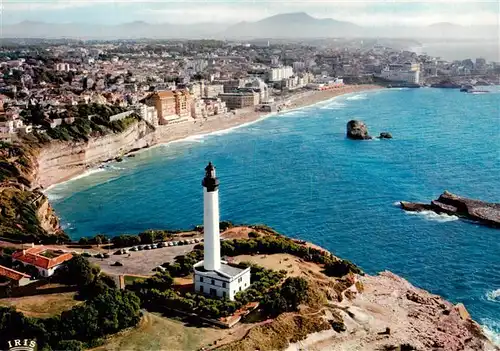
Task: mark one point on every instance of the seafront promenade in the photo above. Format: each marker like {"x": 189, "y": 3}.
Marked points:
{"x": 61, "y": 162}
{"x": 165, "y": 134}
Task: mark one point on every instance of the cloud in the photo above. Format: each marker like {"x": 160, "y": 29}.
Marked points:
{"x": 365, "y": 12}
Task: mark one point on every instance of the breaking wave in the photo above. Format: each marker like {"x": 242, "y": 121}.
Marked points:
{"x": 87, "y": 173}
{"x": 492, "y": 330}
{"x": 433, "y": 216}
{"x": 357, "y": 97}
{"x": 493, "y": 295}
{"x": 334, "y": 105}
{"x": 54, "y": 197}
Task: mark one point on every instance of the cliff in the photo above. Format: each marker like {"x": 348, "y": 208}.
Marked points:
{"x": 25, "y": 213}
{"x": 344, "y": 309}
{"x": 36, "y": 162}
{"x": 60, "y": 160}
{"x": 47, "y": 216}
{"x": 383, "y": 312}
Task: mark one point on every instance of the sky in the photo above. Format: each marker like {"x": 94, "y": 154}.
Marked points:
{"x": 365, "y": 12}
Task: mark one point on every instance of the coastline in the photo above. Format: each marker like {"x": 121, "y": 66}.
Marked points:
{"x": 167, "y": 134}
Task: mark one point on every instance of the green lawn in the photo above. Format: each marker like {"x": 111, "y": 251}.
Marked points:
{"x": 42, "y": 306}
{"x": 129, "y": 279}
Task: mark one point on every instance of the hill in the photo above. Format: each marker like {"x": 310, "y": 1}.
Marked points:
{"x": 281, "y": 26}
{"x": 297, "y": 25}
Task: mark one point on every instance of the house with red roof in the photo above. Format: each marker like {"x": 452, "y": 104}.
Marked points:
{"x": 44, "y": 260}
{"x": 16, "y": 278}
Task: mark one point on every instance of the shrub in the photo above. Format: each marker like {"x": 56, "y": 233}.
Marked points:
{"x": 253, "y": 235}
{"x": 225, "y": 225}
{"x": 183, "y": 265}
{"x": 70, "y": 345}
{"x": 287, "y": 298}
{"x": 340, "y": 268}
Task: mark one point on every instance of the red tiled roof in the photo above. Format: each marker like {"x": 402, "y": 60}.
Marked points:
{"x": 12, "y": 274}
{"x": 32, "y": 256}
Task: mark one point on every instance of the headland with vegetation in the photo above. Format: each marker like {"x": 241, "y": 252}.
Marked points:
{"x": 299, "y": 294}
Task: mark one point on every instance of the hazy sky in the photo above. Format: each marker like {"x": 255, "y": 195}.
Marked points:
{"x": 371, "y": 12}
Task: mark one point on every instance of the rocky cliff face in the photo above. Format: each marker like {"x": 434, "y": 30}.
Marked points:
{"x": 47, "y": 217}
{"x": 26, "y": 166}
{"x": 59, "y": 161}
{"x": 386, "y": 312}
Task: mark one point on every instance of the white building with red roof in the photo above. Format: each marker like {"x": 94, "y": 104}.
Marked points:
{"x": 43, "y": 259}
{"x": 17, "y": 278}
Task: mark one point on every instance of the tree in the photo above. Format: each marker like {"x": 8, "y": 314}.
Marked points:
{"x": 340, "y": 268}
{"x": 147, "y": 237}
{"x": 83, "y": 241}
{"x": 294, "y": 291}
{"x": 14, "y": 325}
{"x": 78, "y": 271}
{"x": 70, "y": 345}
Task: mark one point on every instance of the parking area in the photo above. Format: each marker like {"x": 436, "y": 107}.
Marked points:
{"x": 140, "y": 262}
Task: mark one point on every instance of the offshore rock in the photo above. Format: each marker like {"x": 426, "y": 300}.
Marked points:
{"x": 385, "y": 135}
{"x": 357, "y": 130}
{"x": 476, "y": 210}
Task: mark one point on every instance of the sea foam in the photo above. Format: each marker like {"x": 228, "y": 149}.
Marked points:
{"x": 87, "y": 173}
{"x": 357, "y": 97}
{"x": 433, "y": 216}
{"x": 334, "y": 105}
{"x": 493, "y": 295}
{"x": 491, "y": 329}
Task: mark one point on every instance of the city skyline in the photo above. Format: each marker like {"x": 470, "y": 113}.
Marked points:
{"x": 366, "y": 13}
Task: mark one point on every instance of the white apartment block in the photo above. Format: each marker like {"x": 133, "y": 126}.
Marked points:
{"x": 279, "y": 73}
{"x": 401, "y": 76}
{"x": 299, "y": 66}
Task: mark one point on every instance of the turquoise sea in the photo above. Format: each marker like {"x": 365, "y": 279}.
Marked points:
{"x": 299, "y": 174}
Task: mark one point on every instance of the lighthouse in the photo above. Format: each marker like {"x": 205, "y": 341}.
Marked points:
{"x": 212, "y": 276}
{"x": 211, "y": 230}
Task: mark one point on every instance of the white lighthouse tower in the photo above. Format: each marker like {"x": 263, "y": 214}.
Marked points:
{"x": 212, "y": 276}
{"x": 211, "y": 230}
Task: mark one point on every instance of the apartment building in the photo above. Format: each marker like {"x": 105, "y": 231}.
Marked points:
{"x": 240, "y": 100}
{"x": 171, "y": 105}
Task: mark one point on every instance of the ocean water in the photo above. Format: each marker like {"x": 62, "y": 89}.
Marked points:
{"x": 299, "y": 174}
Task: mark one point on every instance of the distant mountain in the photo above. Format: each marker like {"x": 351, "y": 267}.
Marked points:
{"x": 292, "y": 25}
{"x": 131, "y": 30}
{"x": 284, "y": 26}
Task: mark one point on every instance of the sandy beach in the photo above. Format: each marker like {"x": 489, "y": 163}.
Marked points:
{"x": 244, "y": 116}
{"x": 62, "y": 162}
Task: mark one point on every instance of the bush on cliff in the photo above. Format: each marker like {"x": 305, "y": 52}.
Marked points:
{"x": 82, "y": 128}
{"x": 341, "y": 268}
{"x": 286, "y": 298}
{"x": 267, "y": 245}
{"x": 19, "y": 217}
